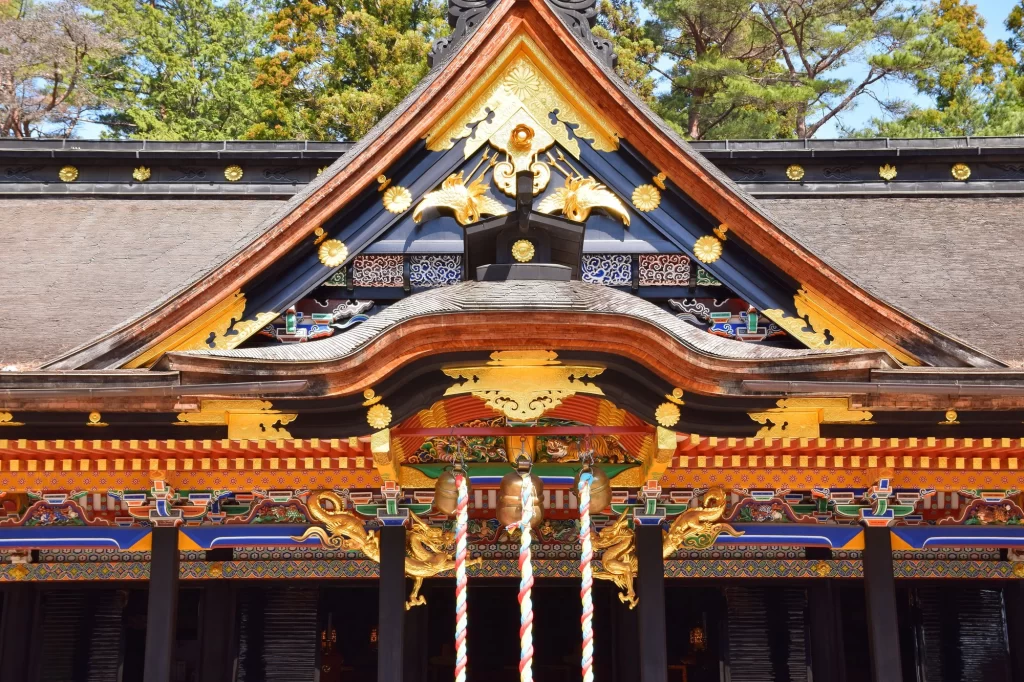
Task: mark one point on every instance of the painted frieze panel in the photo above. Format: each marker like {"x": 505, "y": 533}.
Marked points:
{"x": 378, "y": 271}
{"x": 435, "y": 270}
{"x": 611, "y": 269}
{"x": 664, "y": 270}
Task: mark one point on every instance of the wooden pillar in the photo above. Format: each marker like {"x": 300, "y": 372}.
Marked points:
{"x": 880, "y": 599}
{"x": 391, "y": 619}
{"x": 218, "y": 632}
{"x": 417, "y": 651}
{"x": 162, "y": 613}
{"x": 650, "y": 590}
{"x": 826, "y": 644}
{"x": 1013, "y": 595}
{"x": 17, "y": 626}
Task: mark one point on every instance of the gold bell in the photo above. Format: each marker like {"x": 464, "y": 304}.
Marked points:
{"x": 600, "y": 488}
{"x": 510, "y": 496}
{"x": 446, "y": 492}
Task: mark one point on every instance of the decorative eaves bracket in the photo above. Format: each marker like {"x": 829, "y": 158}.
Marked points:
{"x": 579, "y": 17}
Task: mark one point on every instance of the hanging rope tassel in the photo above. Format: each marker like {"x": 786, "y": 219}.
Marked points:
{"x": 526, "y": 586}
{"x": 461, "y": 617}
{"x": 586, "y": 570}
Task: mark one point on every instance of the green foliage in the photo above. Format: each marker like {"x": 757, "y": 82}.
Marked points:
{"x": 187, "y": 69}
{"x": 340, "y": 65}
{"x": 973, "y": 85}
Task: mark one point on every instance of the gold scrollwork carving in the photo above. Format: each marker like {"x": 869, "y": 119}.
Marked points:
{"x": 468, "y": 203}
{"x": 820, "y": 324}
{"x": 521, "y": 144}
{"x": 802, "y": 417}
{"x": 524, "y": 385}
{"x": 245, "y": 419}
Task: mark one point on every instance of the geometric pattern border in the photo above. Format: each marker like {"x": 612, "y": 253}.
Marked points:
{"x": 334, "y": 569}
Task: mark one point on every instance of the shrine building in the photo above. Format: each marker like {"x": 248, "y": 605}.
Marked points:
{"x": 521, "y": 386}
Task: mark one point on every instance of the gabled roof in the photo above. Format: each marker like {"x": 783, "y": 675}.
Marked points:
{"x": 609, "y": 99}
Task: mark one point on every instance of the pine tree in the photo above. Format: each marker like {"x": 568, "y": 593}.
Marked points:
{"x": 341, "y": 65}
{"x": 187, "y": 68}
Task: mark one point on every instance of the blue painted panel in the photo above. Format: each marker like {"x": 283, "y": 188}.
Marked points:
{"x": 798, "y": 534}
{"x": 932, "y": 537}
{"x": 75, "y": 537}
{"x": 271, "y": 535}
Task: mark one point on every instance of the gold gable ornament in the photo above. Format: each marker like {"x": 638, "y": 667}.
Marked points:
{"x": 245, "y": 419}
{"x": 802, "y": 417}
{"x": 524, "y": 384}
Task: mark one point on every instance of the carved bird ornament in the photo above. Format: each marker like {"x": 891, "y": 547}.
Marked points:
{"x": 468, "y": 203}
{"x": 579, "y": 197}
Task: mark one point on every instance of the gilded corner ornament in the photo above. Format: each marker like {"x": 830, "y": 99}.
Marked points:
{"x": 68, "y": 174}
{"x": 7, "y": 419}
{"x": 397, "y": 199}
{"x": 795, "y": 172}
{"x": 233, "y": 173}
{"x": 141, "y": 174}
{"x": 887, "y": 172}
{"x": 803, "y": 417}
{"x": 523, "y": 251}
{"x": 646, "y": 198}
{"x": 332, "y": 253}
{"x": 707, "y": 249}
{"x": 961, "y": 171}
{"x": 698, "y": 528}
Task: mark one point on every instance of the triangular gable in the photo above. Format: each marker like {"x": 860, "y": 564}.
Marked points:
{"x": 235, "y": 300}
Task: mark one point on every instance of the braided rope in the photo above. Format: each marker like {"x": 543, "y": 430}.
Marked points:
{"x": 587, "y": 587}
{"x": 526, "y": 586}
{"x": 461, "y": 617}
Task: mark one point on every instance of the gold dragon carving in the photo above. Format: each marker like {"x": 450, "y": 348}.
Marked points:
{"x": 428, "y": 549}
{"x": 619, "y": 559}
{"x": 698, "y": 528}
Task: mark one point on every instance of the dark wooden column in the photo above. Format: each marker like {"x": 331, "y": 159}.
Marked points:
{"x": 417, "y": 651}
{"x": 1013, "y": 595}
{"x": 822, "y": 621}
{"x": 650, "y": 589}
{"x": 880, "y": 599}
{"x": 391, "y": 619}
{"x": 16, "y": 636}
{"x": 162, "y": 613}
{"x": 218, "y": 632}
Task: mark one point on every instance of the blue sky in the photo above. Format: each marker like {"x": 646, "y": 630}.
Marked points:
{"x": 994, "y": 11}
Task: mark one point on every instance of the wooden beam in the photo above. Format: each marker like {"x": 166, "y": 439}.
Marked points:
{"x": 16, "y": 631}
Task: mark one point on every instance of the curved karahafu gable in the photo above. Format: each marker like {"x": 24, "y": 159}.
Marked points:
{"x": 517, "y": 42}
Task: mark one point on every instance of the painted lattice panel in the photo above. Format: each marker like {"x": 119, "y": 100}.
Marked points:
{"x": 435, "y": 270}
{"x": 612, "y": 269}
{"x": 377, "y": 271}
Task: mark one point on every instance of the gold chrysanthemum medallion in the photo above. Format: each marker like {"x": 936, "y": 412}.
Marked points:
{"x": 332, "y": 253}
{"x": 707, "y": 249}
{"x": 523, "y": 251}
{"x": 646, "y": 198}
{"x": 68, "y": 174}
{"x": 233, "y": 173}
{"x": 961, "y": 171}
{"x": 378, "y": 416}
{"x": 795, "y": 172}
{"x": 397, "y": 199}
{"x": 667, "y": 414}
